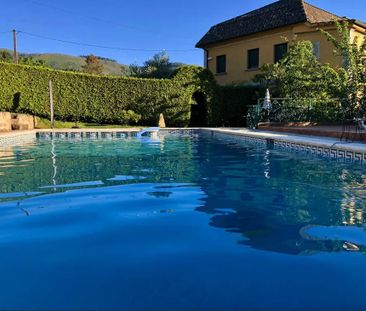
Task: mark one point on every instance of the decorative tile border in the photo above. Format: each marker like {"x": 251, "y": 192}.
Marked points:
{"x": 320, "y": 151}
{"x": 110, "y": 134}
{"x": 180, "y": 132}
{"x": 273, "y": 141}
{"x": 85, "y": 135}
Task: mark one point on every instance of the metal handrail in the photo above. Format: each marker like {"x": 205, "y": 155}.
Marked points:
{"x": 297, "y": 110}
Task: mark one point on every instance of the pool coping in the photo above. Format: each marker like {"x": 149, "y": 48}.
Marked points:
{"x": 325, "y": 146}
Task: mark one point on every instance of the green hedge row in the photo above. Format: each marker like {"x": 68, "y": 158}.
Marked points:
{"x": 101, "y": 99}
{"x": 234, "y": 103}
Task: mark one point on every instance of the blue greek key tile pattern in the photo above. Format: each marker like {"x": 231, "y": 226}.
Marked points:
{"x": 85, "y": 135}
{"x": 328, "y": 152}
{"x": 179, "y": 132}
{"x": 110, "y": 135}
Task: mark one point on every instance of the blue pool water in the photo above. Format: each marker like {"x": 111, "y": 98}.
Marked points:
{"x": 183, "y": 223}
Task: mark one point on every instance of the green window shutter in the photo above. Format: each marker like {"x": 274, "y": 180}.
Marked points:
{"x": 253, "y": 58}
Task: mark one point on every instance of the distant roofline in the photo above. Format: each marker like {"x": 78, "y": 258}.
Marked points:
{"x": 316, "y": 7}
{"x": 307, "y": 18}
{"x": 241, "y": 36}
{"x": 359, "y": 23}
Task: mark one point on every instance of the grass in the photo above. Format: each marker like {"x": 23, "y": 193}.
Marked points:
{"x": 46, "y": 124}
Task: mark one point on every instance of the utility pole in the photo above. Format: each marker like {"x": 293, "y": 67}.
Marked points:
{"x": 15, "y": 56}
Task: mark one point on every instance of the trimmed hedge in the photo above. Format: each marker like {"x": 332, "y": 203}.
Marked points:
{"x": 198, "y": 80}
{"x": 102, "y": 99}
{"x": 235, "y": 100}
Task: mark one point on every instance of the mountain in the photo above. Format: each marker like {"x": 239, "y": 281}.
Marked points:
{"x": 68, "y": 62}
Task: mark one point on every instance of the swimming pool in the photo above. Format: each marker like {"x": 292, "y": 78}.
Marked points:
{"x": 183, "y": 222}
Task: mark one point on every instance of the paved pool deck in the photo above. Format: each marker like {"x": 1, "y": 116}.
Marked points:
{"x": 325, "y": 142}
{"x": 335, "y": 131}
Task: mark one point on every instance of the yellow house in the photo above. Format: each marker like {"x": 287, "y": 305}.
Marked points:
{"x": 236, "y": 49}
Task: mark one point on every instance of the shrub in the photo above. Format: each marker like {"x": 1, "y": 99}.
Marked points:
{"x": 299, "y": 74}
{"x": 235, "y": 102}
{"x": 103, "y": 99}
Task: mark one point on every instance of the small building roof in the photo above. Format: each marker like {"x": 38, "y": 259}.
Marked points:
{"x": 278, "y": 14}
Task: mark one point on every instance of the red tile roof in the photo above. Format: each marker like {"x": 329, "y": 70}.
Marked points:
{"x": 278, "y": 14}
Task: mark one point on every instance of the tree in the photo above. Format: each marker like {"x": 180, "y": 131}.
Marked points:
{"x": 7, "y": 57}
{"x": 30, "y": 61}
{"x": 352, "y": 77}
{"x": 93, "y": 65}
{"x": 299, "y": 74}
{"x": 134, "y": 70}
{"x": 158, "y": 67}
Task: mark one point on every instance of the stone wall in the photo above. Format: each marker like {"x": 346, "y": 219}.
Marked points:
{"x": 5, "y": 121}
{"x": 23, "y": 122}
{"x": 16, "y": 121}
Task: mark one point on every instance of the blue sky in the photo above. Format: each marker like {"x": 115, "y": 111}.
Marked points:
{"x": 138, "y": 24}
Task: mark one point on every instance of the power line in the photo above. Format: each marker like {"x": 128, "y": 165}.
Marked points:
{"x": 104, "y": 46}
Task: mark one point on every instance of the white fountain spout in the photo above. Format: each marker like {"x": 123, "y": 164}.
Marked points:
{"x": 153, "y": 130}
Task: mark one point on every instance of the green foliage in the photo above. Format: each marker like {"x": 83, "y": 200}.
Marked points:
{"x": 102, "y": 99}
{"x": 157, "y": 67}
{"x": 300, "y": 75}
{"x": 351, "y": 83}
{"x": 7, "y": 57}
{"x": 235, "y": 102}
{"x": 195, "y": 79}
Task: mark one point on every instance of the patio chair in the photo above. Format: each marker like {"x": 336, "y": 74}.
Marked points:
{"x": 361, "y": 126}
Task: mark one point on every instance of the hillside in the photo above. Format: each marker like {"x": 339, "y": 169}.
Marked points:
{"x": 68, "y": 62}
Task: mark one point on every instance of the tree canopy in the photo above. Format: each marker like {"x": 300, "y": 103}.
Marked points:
{"x": 158, "y": 67}
{"x": 93, "y": 65}
{"x": 299, "y": 74}
{"x": 351, "y": 85}
{"x": 7, "y": 57}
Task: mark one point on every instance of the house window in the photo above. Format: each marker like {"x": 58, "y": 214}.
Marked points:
{"x": 221, "y": 64}
{"x": 316, "y": 49}
{"x": 253, "y": 59}
{"x": 280, "y": 50}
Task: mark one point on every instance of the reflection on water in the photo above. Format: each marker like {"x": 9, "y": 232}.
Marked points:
{"x": 54, "y": 162}
{"x": 264, "y": 195}
{"x": 177, "y": 210}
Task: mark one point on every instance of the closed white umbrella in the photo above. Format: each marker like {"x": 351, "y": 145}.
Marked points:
{"x": 267, "y": 105}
